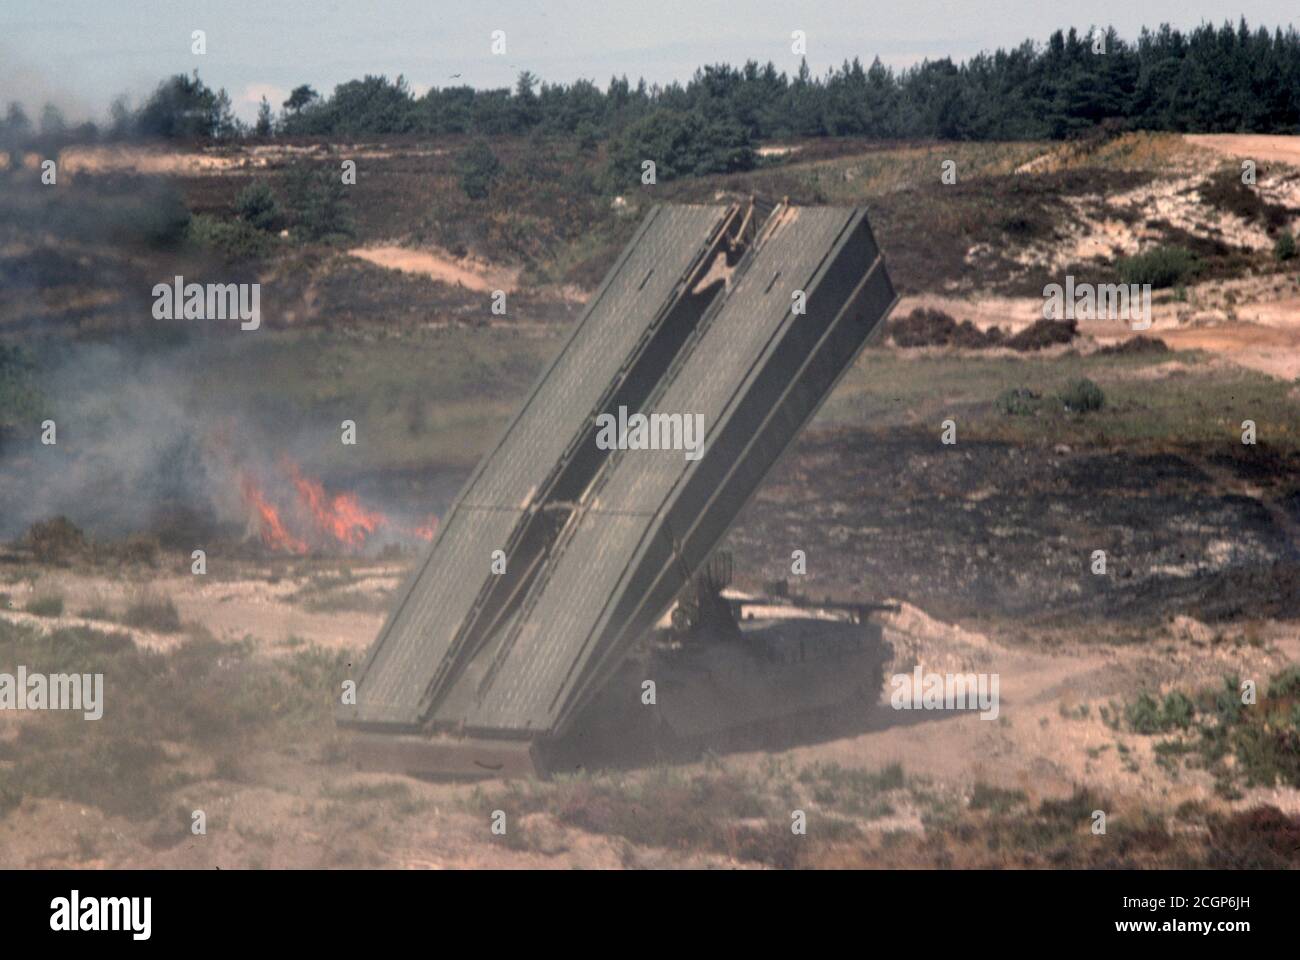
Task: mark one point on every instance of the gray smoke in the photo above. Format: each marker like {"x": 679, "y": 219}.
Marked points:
{"x": 131, "y": 446}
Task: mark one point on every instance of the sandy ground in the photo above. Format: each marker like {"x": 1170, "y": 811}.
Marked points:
{"x": 1253, "y": 322}
{"x": 114, "y": 158}
{"x": 472, "y": 274}
{"x": 1040, "y": 743}
{"x": 1250, "y": 146}
{"x": 276, "y": 613}
{"x": 299, "y": 812}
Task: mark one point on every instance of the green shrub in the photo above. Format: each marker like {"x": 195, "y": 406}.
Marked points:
{"x": 478, "y": 166}
{"x": 1083, "y": 396}
{"x": 1160, "y": 267}
{"x": 234, "y": 240}
{"x": 1284, "y": 246}
{"x": 1018, "y": 402}
{"x": 1177, "y": 711}
{"x": 680, "y": 144}
{"x": 1146, "y": 715}
{"x": 257, "y": 206}
{"x": 1256, "y": 744}
{"x": 1143, "y": 715}
{"x": 320, "y": 205}
{"x": 1285, "y": 684}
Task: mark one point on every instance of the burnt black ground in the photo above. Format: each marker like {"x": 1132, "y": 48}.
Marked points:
{"x": 1004, "y": 531}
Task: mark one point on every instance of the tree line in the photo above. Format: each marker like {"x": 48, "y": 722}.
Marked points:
{"x": 1211, "y": 79}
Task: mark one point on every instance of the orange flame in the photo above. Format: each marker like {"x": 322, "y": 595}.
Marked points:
{"x": 341, "y": 516}
{"x": 273, "y": 531}
{"x": 324, "y": 519}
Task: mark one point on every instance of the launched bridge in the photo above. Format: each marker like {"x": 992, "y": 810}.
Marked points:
{"x": 742, "y": 315}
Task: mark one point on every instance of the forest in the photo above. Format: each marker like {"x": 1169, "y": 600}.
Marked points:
{"x": 1211, "y": 79}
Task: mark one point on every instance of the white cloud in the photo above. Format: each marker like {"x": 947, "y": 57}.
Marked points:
{"x": 245, "y": 105}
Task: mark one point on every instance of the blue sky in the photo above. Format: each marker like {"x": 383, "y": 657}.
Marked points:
{"x": 80, "y": 54}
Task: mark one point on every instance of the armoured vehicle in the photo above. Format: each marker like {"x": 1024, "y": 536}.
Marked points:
{"x": 543, "y": 594}
{"x": 727, "y": 669}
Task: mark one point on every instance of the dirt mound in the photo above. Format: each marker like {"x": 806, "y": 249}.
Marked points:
{"x": 928, "y": 327}
{"x": 1135, "y": 346}
{"x": 917, "y": 639}
{"x": 1043, "y": 333}
{"x": 1225, "y": 191}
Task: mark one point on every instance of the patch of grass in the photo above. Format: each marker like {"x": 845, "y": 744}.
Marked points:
{"x": 1253, "y": 744}
{"x": 149, "y": 612}
{"x": 1019, "y": 402}
{"x": 259, "y": 838}
{"x": 390, "y": 798}
{"x": 717, "y": 810}
{"x": 437, "y": 396}
{"x": 1225, "y": 191}
{"x": 233, "y": 240}
{"x": 331, "y": 593}
{"x": 1073, "y": 810}
{"x": 996, "y": 799}
{"x": 852, "y": 790}
{"x": 882, "y": 172}
{"x": 1052, "y": 833}
{"x": 387, "y": 790}
{"x": 208, "y": 698}
{"x": 1082, "y": 396}
{"x": 46, "y": 605}
{"x": 1196, "y": 405}
{"x": 1079, "y": 712}
{"x": 1058, "y": 833}
{"x": 1263, "y": 838}
{"x": 1166, "y": 266}
{"x": 1147, "y": 715}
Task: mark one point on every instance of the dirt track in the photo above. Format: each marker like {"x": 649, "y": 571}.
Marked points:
{"x": 1040, "y": 743}
{"x": 470, "y": 274}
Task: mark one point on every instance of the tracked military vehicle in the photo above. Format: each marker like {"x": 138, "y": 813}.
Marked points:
{"x": 542, "y": 601}
{"x": 728, "y": 669}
